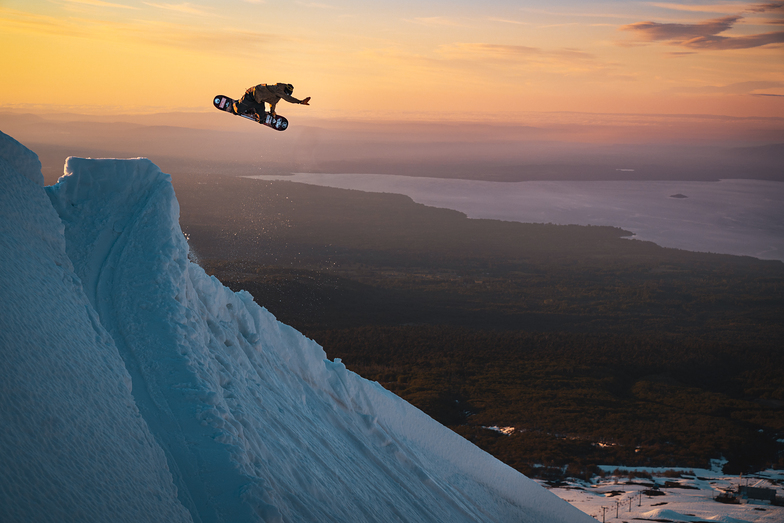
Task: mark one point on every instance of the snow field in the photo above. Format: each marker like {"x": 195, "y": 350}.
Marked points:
{"x": 692, "y": 499}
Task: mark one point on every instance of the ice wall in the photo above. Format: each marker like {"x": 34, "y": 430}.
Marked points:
{"x": 256, "y": 424}
{"x": 73, "y": 446}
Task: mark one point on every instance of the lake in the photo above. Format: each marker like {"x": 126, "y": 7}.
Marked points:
{"x": 741, "y": 217}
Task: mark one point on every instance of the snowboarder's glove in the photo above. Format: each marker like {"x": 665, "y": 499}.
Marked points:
{"x": 305, "y": 101}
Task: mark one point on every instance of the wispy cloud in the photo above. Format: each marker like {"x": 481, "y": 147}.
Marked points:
{"x": 768, "y": 7}
{"x": 572, "y": 14}
{"x": 500, "y": 61}
{"x": 652, "y": 31}
{"x": 704, "y": 8}
{"x": 748, "y": 87}
{"x": 703, "y": 35}
{"x": 24, "y": 22}
{"x": 99, "y": 3}
{"x": 721, "y": 7}
{"x": 185, "y": 8}
{"x": 506, "y": 21}
{"x": 316, "y": 5}
{"x": 209, "y": 40}
{"x": 497, "y": 50}
{"x": 436, "y": 21}
{"x": 154, "y": 32}
{"x": 721, "y": 43}
{"x": 510, "y": 58}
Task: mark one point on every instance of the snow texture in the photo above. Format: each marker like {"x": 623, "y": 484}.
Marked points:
{"x": 255, "y": 423}
{"x": 73, "y": 446}
{"x": 20, "y": 159}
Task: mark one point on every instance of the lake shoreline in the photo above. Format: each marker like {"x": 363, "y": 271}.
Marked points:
{"x": 730, "y": 216}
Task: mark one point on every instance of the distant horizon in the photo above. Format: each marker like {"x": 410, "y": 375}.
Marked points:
{"x": 504, "y": 120}
{"x": 629, "y": 127}
{"x": 538, "y": 145}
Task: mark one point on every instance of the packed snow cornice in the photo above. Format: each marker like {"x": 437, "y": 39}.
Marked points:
{"x": 73, "y": 446}
{"x": 252, "y": 420}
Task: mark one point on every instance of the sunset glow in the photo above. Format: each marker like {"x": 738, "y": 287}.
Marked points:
{"x": 442, "y": 60}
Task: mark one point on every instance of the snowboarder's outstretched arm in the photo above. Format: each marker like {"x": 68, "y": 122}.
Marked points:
{"x": 293, "y": 100}
{"x": 289, "y": 99}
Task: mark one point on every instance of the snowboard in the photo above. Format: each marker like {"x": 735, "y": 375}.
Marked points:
{"x": 279, "y": 123}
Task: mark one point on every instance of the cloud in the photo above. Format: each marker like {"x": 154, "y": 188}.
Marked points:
{"x": 704, "y": 35}
{"x": 316, "y": 5}
{"x": 188, "y": 37}
{"x": 99, "y": 3}
{"x": 181, "y": 8}
{"x": 764, "y": 8}
{"x": 520, "y": 59}
{"x": 722, "y": 7}
{"x": 506, "y": 21}
{"x": 508, "y": 52}
{"x": 572, "y": 14}
{"x": 722, "y": 43}
{"x": 436, "y": 21}
{"x": 708, "y": 8}
{"x": 735, "y": 88}
{"x": 154, "y": 32}
{"x": 520, "y": 53}
{"x": 23, "y": 22}
{"x": 652, "y": 31}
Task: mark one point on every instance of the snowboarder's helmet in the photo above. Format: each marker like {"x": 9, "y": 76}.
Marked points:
{"x": 288, "y": 89}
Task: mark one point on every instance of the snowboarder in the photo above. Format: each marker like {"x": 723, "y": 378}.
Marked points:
{"x": 254, "y": 98}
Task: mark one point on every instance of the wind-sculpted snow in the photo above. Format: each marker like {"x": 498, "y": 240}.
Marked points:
{"x": 20, "y": 160}
{"x": 255, "y": 422}
{"x": 73, "y": 446}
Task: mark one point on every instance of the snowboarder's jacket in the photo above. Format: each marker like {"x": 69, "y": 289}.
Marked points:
{"x": 271, "y": 94}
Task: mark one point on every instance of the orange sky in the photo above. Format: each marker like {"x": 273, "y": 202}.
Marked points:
{"x": 456, "y": 59}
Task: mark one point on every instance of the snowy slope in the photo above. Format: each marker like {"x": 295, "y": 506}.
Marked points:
{"x": 73, "y": 446}
{"x": 255, "y": 423}
{"x": 689, "y": 496}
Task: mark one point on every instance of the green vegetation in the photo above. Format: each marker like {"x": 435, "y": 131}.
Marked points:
{"x": 596, "y": 349}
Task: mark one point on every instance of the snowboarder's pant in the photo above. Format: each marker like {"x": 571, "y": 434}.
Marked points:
{"x": 248, "y": 104}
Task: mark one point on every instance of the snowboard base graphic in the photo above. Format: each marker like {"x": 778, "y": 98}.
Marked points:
{"x": 279, "y": 123}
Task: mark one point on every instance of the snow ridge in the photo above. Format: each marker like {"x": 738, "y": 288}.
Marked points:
{"x": 73, "y": 446}
{"x": 255, "y": 423}
{"x": 20, "y": 159}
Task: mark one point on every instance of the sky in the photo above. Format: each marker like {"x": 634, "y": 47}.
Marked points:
{"x": 434, "y": 59}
